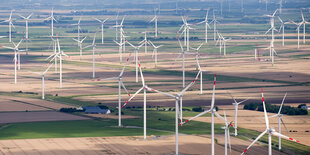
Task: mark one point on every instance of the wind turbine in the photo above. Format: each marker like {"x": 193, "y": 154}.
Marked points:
{"x": 272, "y": 29}
{"x": 120, "y": 85}
{"x": 206, "y": 26}
{"x": 10, "y": 21}
{"x": 280, "y": 6}
{"x": 52, "y": 21}
{"x": 80, "y": 43}
{"x": 155, "y": 19}
{"x": 59, "y": 55}
{"x": 183, "y": 62}
{"x": 269, "y": 130}
{"x": 304, "y": 22}
{"x": 201, "y": 71}
{"x": 223, "y": 42}
{"x": 16, "y": 58}
{"x": 273, "y": 51}
{"x": 213, "y": 112}
{"x": 282, "y": 27}
{"x": 121, "y": 31}
{"x": 236, "y": 112}
{"x": 214, "y": 21}
{"x": 43, "y": 76}
{"x": 155, "y": 51}
{"x": 78, "y": 29}
{"x": 227, "y": 132}
{"x": 186, "y": 27}
{"x": 102, "y": 32}
{"x": 298, "y": 30}
{"x": 197, "y": 52}
{"x": 220, "y": 42}
{"x": 136, "y": 56}
{"x": 144, "y": 41}
{"x": 120, "y": 50}
{"x": 279, "y": 115}
{"x": 93, "y": 45}
{"x": 26, "y": 33}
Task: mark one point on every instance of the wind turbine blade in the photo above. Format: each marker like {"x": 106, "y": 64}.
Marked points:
{"x": 180, "y": 45}
{"x": 282, "y": 103}
{"x": 83, "y": 39}
{"x": 125, "y": 88}
{"x": 123, "y": 20}
{"x": 160, "y": 92}
{"x": 29, "y": 16}
{"x": 97, "y": 19}
{"x": 152, "y": 19}
{"x": 261, "y": 135}
{"x": 106, "y": 79}
{"x": 122, "y": 72}
{"x": 268, "y": 30}
{"x": 132, "y": 97}
{"x": 141, "y": 74}
{"x": 219, "y": 116}
{"x": 192, "y": 83}
{"x": 232, "y": 97}
{"x": 105, "y": 20}
{"x": 8, "y": 47}
{"x": 50, "y": 65}
{"x": 265, "y": 113}
{"x": 283, "y": 136}
{"x": 243, "y": 101}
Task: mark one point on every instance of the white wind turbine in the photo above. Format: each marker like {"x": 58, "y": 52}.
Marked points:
{"x": 298, "y": 30}
{"x": 10, "y": 21}
{"x": 227, "y": 132}
{"x": 120, "y": 50}
{"x": 43, "y": 78}
{"x": 136, "y": 56}
{"x": 220, "y": 42}
{"x": 272, "y": 29}
{"x": 183, "y": 62}
{"x": 155, "y": 20}
{"x": 236, "y": 104}
{"x": 201, "y": 71}
{"x": 16, "y": 57}
{"x": 185, "y": 32}
{"x": 269, "y": 130}
{"x": 155, "y": 51}
{"x": 223, "y": 42}
{"x": 121, "y": 31}
{"x": 78, "y": 29}
{"x": 213, "y": 112}
{"x": 214, "y": 21}
{"x": 279, "y": 115}
{"x": 144, "y": 41}
{"x": 206, "y": 26}
{"x": 304, "y": 22}
{"x": 93, "y": 45}
{"x": 120, "y": 85}
{"x": 59, "y": 55}
{"x": 282, "y": 27}
{"x": 80, "y": 43}
{"x": 52, "y": 21}
{"x": 280, "y": 6}
{"x": 102, "y": 24}
{"x": 26, "y": 33}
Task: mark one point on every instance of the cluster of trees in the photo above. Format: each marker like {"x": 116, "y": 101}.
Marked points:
{"x": 70, "y": 110}
{"x": 200, "y": 109}
{"x": 275, "y": 109}
{"x": 76, "y": 31}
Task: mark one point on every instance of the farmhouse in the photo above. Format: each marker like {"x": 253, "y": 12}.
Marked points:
{"x": 96, "y": 110}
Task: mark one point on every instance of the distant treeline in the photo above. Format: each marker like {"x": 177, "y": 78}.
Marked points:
{"x": 275, "y": 109}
